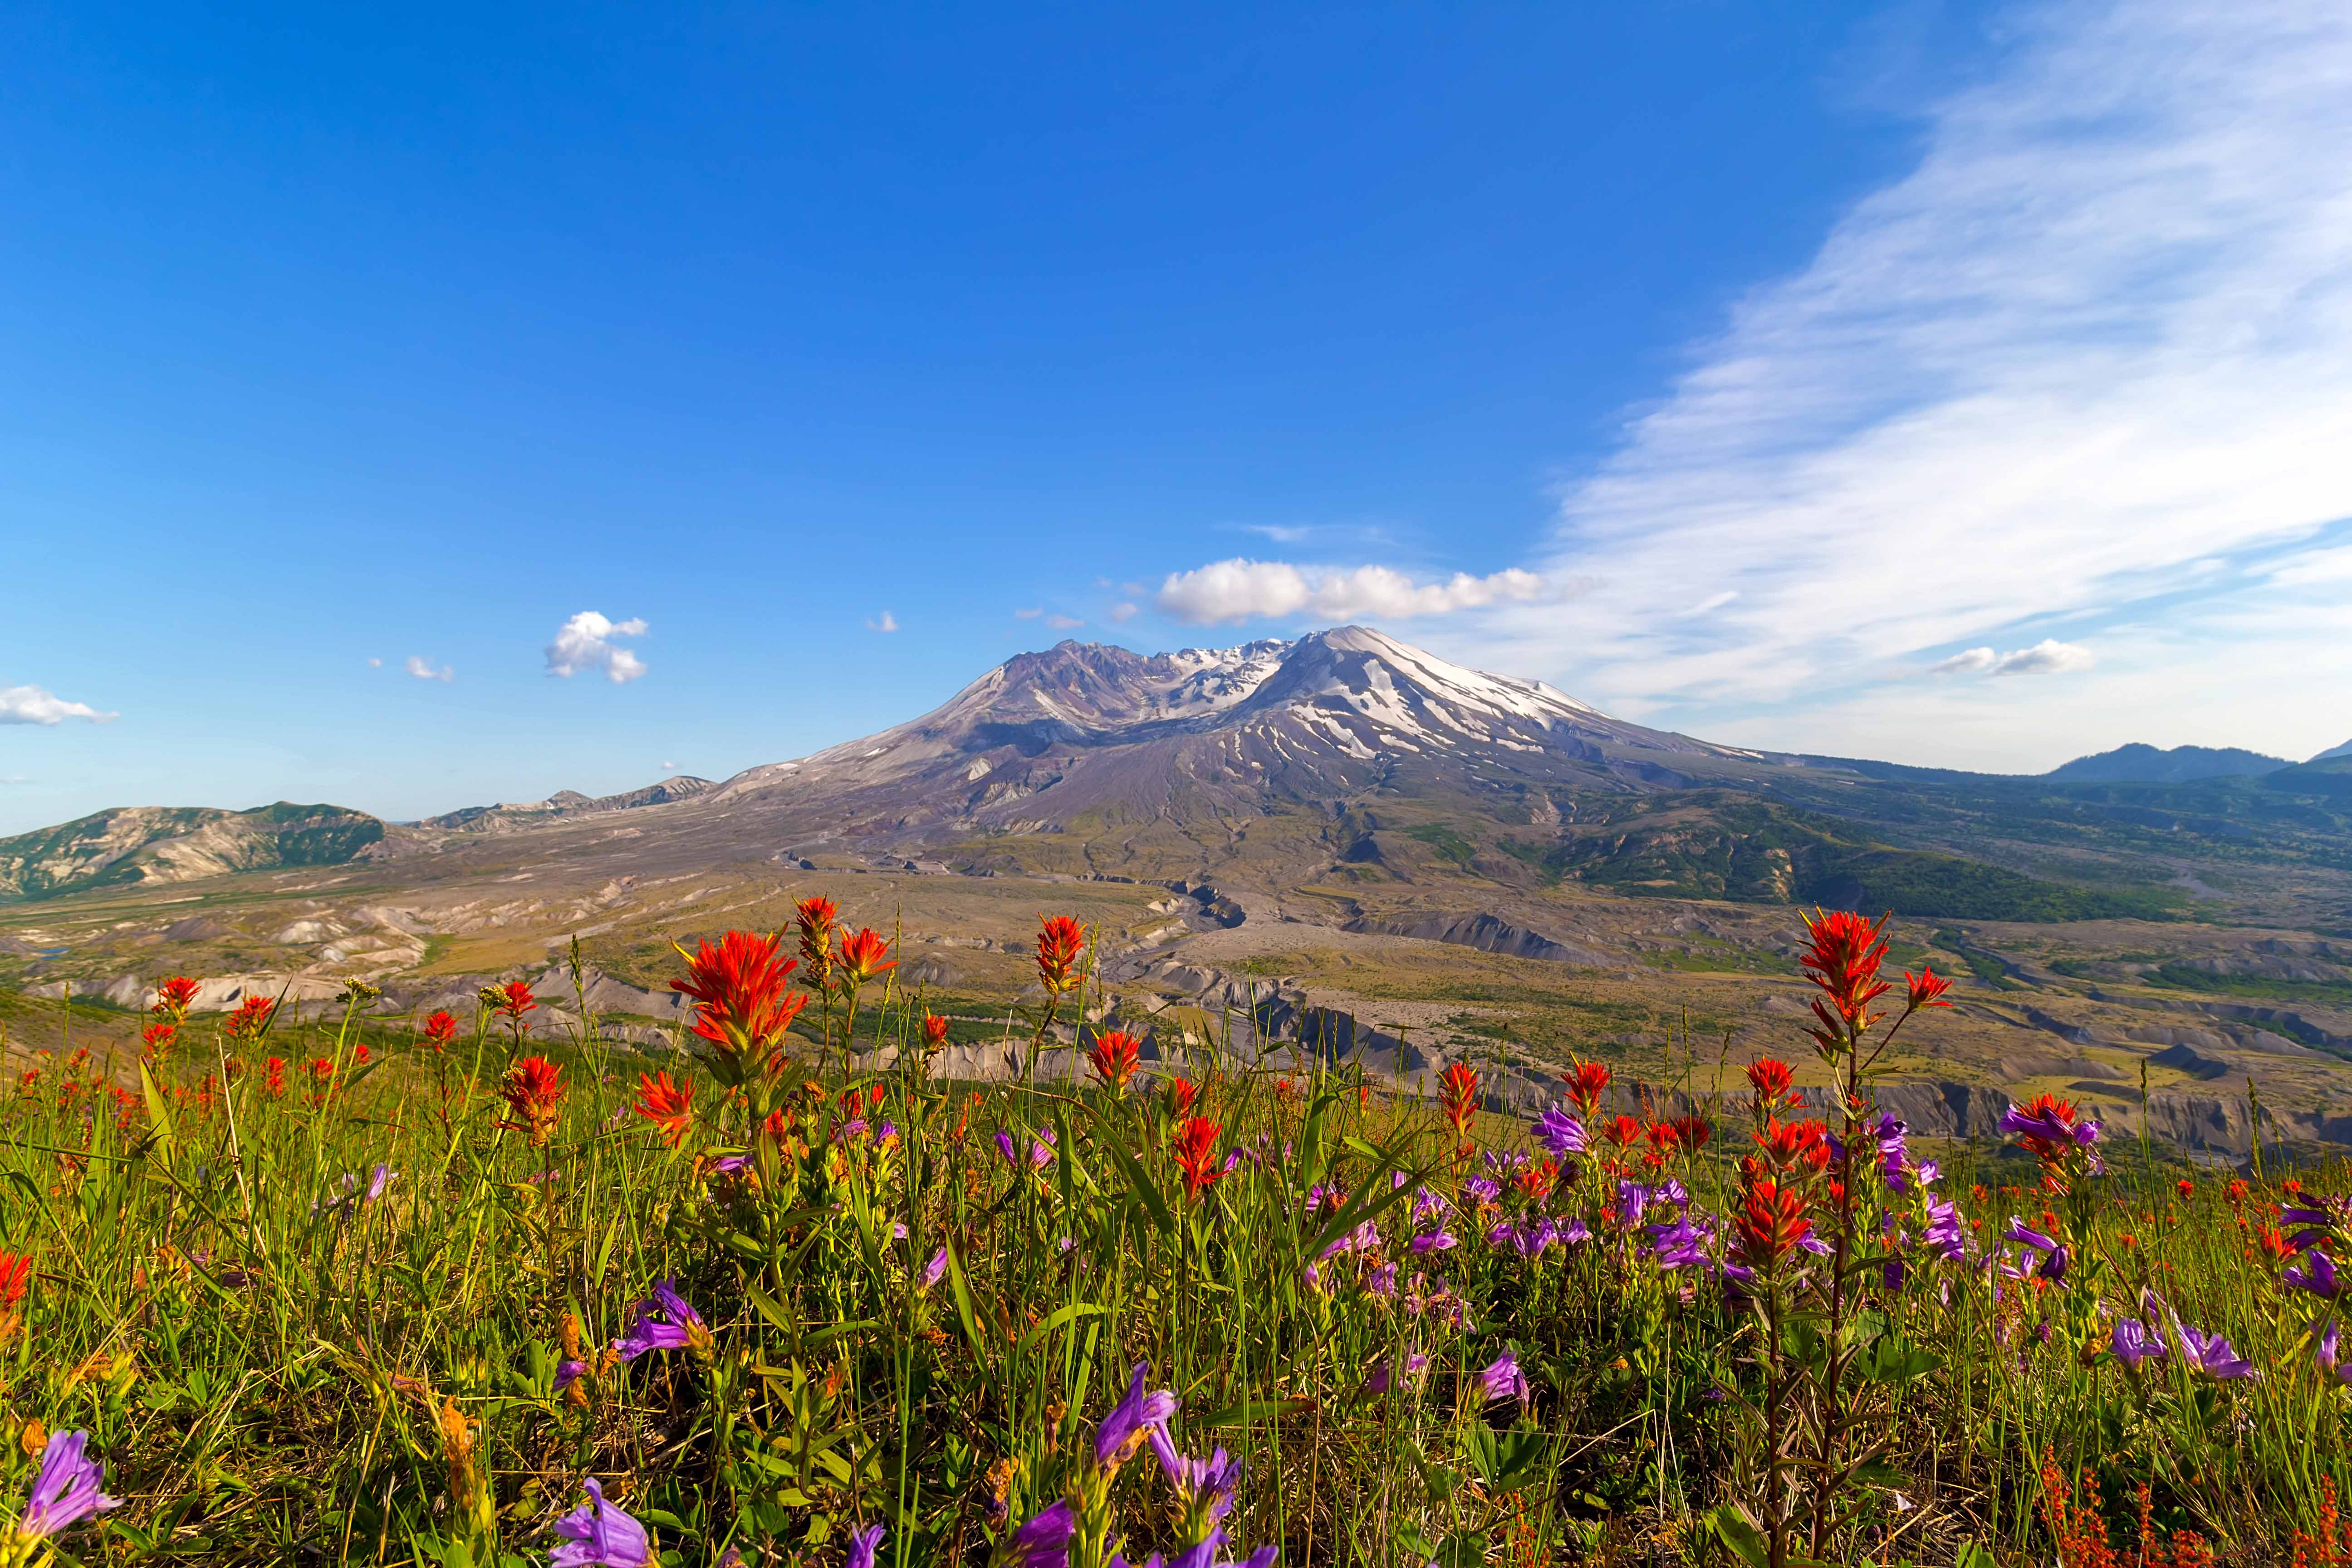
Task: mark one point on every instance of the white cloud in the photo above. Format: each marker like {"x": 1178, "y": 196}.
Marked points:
{"x": 31, "y": 705}
{"x": 888, "y": 623}
{"x": 1241, "y": 590}
{"x": 2099, "y": 336}
{"x": 2048, "y": 657}
{"x": 1026, "y": 615}
{"x": 376, "y": 664}
{"x": 1120, "y": 614}
{"x": 422, "y": 668}
{"x": 1063, "y": 623}
{"x": 586, "y": 643}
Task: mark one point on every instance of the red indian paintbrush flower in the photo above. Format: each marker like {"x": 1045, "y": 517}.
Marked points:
{"x": 1926, "y": 989}
{"x": 934, "y": 1032}
{"x": 1624, "y": 1132}
{"x": 1060, "y": 939}
{"x": 865, "y": 956}
{"x": 1182, "y": 1093}
{"x": 1113, "y": 1057}
{"x": 16, "y": 1273}
{"x": 275, "y": 1080}
{"x": 512, "y": 1000}
{"x": 155, "y": 1039}
{"x": 742, "y": 1006}
{"x": 1769, "y": 1224}
{"x": 1789, "y": 1143}
{"x": 1585, "y": 1087}
{"x": 533, "y": 1090}
{"x": 439, "y": 1030}
{"x": 812, "y": 919}
{"x": 251, "y": 1019}
{"x": 1842, "y": 957}
{"x": 175, "y": 997}
{"x": 668, "y": 1106}
{"x": 1692, "y": 1133}
{"x": 1458, "y": 1095}
{"x": 1195, "y": 1148}
{"x": 1771, "y": 1077}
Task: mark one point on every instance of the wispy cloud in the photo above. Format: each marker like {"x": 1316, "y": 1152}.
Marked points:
{"x": 2099, "y": 338}
{"x": 888, "y": 623}
{"x": 1063, "y": 623}
{"x": 31, "y": 705}
{"x": 1243, "y": 589}
{"x": 1119, "y": 614}
{"x": 423, "y": 668}
{"x": 586, "y": 643}
{"x": 1029, "y": 615}
{"x": 2048, "y": 657}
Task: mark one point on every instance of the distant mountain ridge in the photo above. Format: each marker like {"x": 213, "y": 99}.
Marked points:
{"x": 2140, "y": 763}
{"x": 566, "y": 803}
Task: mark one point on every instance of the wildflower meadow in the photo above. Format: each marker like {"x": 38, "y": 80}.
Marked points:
{"x": 472, "y": 1291}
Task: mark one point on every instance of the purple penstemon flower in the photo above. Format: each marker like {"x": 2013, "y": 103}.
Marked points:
{"x": 2055, "y": 1254}
{"x": 1680, "y": 1243}
{"x": 1045, "y": 1541}
{"x": 2315, "y": 1271}
{"x": 1561, "y": 1134}
{"x": 569, "y": 1372}
{"x": 1132, "y": 1420}
{"x": 934, "y": 1270}
{"x": 1631, "y": 1199}
{"x": 2311, "y": 1225}
{"x": 1382, "y": 1280}
{"x": 1426, "y": 1202}
{"x": 1482, "y": 1189}
{"x": 1502, "y": 1379}
{"x": 65, "y": 1487}
{"x": 598, "y": 1535}
{"x": 863, "y": 1544}
{"x": 2208, "y": 1353}
{"x": 1947, "y": 1234}
{"x": 2133, "y": 1344}
{"x": 2326, "y": 1355}
{"x": 1206, "y": 1485}
{"x": 1438, "y": 1240}
{"x": 678, "y": 1325}
{"x": 1004, "y": 1148}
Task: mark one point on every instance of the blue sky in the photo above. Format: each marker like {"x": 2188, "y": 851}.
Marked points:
{"x": 1952, "y": 383}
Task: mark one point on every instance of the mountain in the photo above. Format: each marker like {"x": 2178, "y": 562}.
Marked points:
{"x": 178, "y": 844}
{"x": 2332, "y": 751}
{"x": 2137, "y": 764}
{"x": 508, "y": 815}
{"x": 1347, "y": 769}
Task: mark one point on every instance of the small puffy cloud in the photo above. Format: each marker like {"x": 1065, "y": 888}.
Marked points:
{"x": 376, "y": 664}
{"x": 1063, "y": 623}
{"x": 888, "y": 623}
{"x": 586, "y": 643}
{"x": 422, "y": 668}
{"x": 1120, "y": 614}
{"x": 2048, "y": 657}
{"x": 31, "y": 705}
{"x": 1241, "y": 590}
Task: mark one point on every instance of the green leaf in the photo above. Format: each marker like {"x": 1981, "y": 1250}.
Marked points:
{"x": 1971, "y": 1555}
{"x": 1143, "y": 1185}
{"x": 158, "y": 1110}
{"x": 1248, "y": 1411}
{"x": 1735, "y": 1530}
{"x": 1060, "y": 1316}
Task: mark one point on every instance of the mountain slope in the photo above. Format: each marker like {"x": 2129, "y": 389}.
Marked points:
{"x": 178, "y": 844}
{"x": 2138, "y": 763}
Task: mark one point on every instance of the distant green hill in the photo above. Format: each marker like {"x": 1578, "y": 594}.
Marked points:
{"x": 177, "y": 844}
{"x": 2137, "y": 764}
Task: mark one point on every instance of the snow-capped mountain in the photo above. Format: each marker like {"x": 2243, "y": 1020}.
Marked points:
{"x": 1083, "y": 730}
